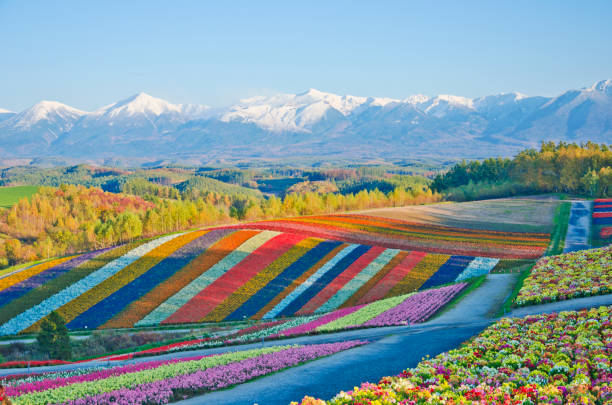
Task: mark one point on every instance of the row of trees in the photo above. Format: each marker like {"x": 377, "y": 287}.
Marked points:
{"x": 70, "y": 219}
{"x": 570, "y": 168}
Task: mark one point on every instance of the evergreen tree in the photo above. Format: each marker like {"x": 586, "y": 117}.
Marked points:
{"x": 53, "y": 337}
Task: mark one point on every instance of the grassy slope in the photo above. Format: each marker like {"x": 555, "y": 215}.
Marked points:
{"x": 509, "y": 302}
{"x": 557, "y": 237}
{"x": 9, "y": 196}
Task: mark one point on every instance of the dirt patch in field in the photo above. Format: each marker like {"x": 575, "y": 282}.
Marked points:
{"x": 525, "y": 214}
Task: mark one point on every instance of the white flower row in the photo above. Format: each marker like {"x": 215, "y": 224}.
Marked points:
{"x": 310, "y": 281}
{"x": 356, "y": 282}
{"x": 477, "y": 267}
{"x": 37, "y": 312}
{"x": 174, "y": 303}
{"x": 273, "y": 330}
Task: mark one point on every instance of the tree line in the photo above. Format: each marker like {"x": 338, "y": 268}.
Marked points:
{"x": 584, "y": 169}
{"x": 70, "y": 219}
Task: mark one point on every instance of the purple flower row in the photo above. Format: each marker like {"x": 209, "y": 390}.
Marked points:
{"x": 94, "y": 376}
{"x": 215, "y": 378}
{"x": 23, "y": 287}
{"x": 418, "y": 307}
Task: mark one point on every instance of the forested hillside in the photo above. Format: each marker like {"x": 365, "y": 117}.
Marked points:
{"x": 70, "y": 219}
{"x": 568, "y": 168}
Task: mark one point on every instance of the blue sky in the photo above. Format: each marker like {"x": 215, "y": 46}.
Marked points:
{"x": 91, "y": 53}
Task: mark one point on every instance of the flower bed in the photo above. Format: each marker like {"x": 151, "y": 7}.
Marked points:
{"x": 286, "y": 249}
{"x": 405, "y": 235}
{"x": 24, "y": 364}
{"x": 279, "y": 286}
{"x": 379, "y": 289}
{"x": 355, "y": 283}
{"x": 52, "y": 287}
{"x": 186, "y": 301}
{"x": 337, "y": 283}
{"x": 546, "y": 359}
{"x": 101, "y": 303}
{"x": 400, "y": 310}
{"x": 266, "y": 247}
{"x": 31, "y": 316}
{"x": 164, "y": 381}
{"x": 45, "y": 273}
{"x": 221, "y": 274}
{"x": 566, "y": 276}
{"x": 185, "y": 287}
{"x": 418, "y": 307}
{"x": 312, "y": 279}
{"x": 165, "y": 279}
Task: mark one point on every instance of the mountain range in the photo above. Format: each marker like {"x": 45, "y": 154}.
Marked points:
{"x": 310, "y": 124}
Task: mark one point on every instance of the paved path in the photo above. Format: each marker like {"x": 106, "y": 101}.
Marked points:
{"x": 389, "y": 354}
{"x": 578, "y": 227}
{"x": 569, "y": 305}
{"x": 481, "y": 303}
{"x": 324, "y": 378}
{"x": 392, "y": 350}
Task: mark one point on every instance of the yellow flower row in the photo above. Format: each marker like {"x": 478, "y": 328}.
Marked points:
{"x": 419, "y": 274}
{"x": 22, "y": 275}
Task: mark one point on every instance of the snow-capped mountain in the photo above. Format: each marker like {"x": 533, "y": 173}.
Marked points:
{"x": 50, "y": 114}
{"x": 313, "y": 123}
{"x": 36, "y": 127}
{"x": 292, "y": 112}
{"x": 5, "y": 114}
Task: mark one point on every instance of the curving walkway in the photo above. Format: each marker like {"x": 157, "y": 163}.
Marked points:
{"x": 575, "y": 304}
{"x": 392, "y": 349}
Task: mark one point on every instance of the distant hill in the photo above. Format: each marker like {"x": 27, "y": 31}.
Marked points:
{"x": 309, "y": 124}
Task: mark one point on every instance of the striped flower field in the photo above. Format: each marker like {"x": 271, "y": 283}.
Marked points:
{"x": 159, "y": 382}
{"x": 402, "y": 310}
{"x": 398, "y": 234}
{"x": 218, "y": 275}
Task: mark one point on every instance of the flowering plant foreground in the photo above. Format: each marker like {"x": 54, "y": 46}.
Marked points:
{"x": 547, "y": 359}
{"x": 160, "y": 382}
{"x": 577, "y": 274}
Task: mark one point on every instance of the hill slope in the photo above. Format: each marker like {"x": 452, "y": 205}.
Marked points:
{"x": 232, "y": 273}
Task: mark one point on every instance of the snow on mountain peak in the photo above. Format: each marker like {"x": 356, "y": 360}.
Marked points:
{"x": 291, "y": 112}
{"x": 314, "y": 93}
{"x": 47, "y": 110}
{"x": 603, "y": 86}
{"x": 140, "y": 103}
{"x": 456, "y": 100}
{"x": 417, "y": 99}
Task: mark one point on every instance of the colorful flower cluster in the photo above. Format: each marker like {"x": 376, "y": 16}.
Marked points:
{"x": 164, "y": 381}
{"x": 577, "y": 274}
{"x": 548, "y": 359}
{"x": 220, "y": 274}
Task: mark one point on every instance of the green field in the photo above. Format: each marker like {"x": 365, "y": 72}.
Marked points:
{"x": 9, "y": 196}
